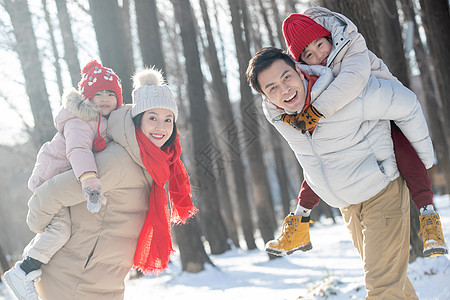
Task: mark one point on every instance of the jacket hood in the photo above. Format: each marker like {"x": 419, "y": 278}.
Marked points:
{"x": 121, "y": 129}
{"x": 339, "y": 25}
{"x": 75, "y": 106}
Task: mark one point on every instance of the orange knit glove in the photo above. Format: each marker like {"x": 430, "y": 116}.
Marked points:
{"x": 304, "y": 121}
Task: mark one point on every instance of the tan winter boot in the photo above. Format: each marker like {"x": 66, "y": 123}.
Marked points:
{"x": 295, "y": 236}
{"x": 432, "y": 236}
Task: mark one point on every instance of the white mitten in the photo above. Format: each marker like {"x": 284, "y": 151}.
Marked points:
{"x": 92, "y": 190}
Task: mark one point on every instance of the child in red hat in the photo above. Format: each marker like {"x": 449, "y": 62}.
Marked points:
{"x": 322, "y": 37}
{"x": 81, "y": 125}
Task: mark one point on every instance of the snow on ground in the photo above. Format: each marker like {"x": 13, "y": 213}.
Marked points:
{"x": 331, "y": 270}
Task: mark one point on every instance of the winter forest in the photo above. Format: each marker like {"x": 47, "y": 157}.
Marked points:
{"x": 244, "y": 177}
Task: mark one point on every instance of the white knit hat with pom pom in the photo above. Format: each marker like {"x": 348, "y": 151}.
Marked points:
{"x": 150, "y": 91}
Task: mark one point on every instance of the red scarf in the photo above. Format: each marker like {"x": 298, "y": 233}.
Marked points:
{"x": 154, "y": 245}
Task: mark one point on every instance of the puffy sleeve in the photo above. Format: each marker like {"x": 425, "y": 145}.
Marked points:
{"x": 389, "y": 100}
{"x": 79, "y": 137}
{"x": 353, "y": 76}
{"x": 65, "y": 190}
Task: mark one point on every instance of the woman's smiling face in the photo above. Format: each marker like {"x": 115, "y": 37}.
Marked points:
{"x": 157, "y": 125}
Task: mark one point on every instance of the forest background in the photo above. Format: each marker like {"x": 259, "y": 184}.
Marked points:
{"x": 245, "y": 179}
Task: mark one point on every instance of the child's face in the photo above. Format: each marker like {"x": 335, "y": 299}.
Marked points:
{"x": 157, "y": 125}
{"x": 283, "y": 86}
{"x": 106, "y": 101}
{"x": 316, "y": 53}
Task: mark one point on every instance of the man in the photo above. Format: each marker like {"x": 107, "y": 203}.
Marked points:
{"x": 348, "y": 160}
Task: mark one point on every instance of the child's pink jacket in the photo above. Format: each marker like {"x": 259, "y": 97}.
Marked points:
{"x": 71, "y": 147}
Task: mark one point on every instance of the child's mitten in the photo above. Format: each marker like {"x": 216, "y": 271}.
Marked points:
{"x": 92, "y": 190}
{"x": 304, "y": 121}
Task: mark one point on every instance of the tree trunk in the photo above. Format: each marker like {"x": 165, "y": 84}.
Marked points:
{"x": 212, "y": 222}
{"x": 278, "y": 22}
{"x": 113, "y": 41}
{"x": 70, "y": 50}
{"x": 229, "y": 125}
{"x": 192, "y": 253}
{"x": 390, "y": 39}
{"x": 4, "y": 265}
{"x": 436, "y": 22}
{"x": 28, "y": 52}
{"x": 250, "y": 118}
{"x": 189, "y": 236}
{"x": 275, "y": 141}
{"x": 54, "y": 48}
{"x": 149, "y": 34}
{"x": 360, "y": 13}
{"x": 415, "y": 241}
{"x": 435, "y": 119}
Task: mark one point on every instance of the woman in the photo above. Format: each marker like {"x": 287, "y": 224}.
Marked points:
{"x": 103, "y": 247}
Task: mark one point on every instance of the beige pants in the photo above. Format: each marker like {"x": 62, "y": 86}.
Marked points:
{"x": 44, "y": 245}
{"x": 379, "y": 228}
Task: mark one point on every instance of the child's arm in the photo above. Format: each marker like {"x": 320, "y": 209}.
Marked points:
{"x": 79, "y": 139}
{"x": 354, "y": 72}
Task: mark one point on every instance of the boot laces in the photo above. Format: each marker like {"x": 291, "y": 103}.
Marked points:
{"x": 288, "y": 228}
{"x": 430, "y": 228}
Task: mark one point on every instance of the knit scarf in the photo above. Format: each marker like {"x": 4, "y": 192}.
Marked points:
{"x": 154, "y": 245}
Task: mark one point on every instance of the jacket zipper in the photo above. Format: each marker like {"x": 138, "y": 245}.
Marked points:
{"x": 336, "y": 54}
{"x": 309, "y": 138}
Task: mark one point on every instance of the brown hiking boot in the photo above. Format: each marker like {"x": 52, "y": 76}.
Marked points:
{"x": 432, "y": 236}
{"x": 295, "y": 236}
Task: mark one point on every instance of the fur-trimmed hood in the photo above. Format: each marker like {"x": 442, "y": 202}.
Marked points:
{"x": 75, "y": 106}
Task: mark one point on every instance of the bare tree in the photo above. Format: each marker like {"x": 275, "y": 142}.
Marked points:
{"x": 4, "y": 265}
{"x": 113, "y": 41}
{"x": 27, "y": 50}
{"x": 390, "y": 39}
{"x": 70, "y": 50}
{"x": 436, "y": 22}
{"x": 192, "y": 253}
{"x": 250, "y": 119}
{"x": 149, "y": 34}
{"x": 432, "y": 103}
{"x": 204, "y": 147}
{"x": 361, "y": 13}
{"x": 54, "y": 48}
{"x": 229, "y": 125}
{"x": 275, "y": 139}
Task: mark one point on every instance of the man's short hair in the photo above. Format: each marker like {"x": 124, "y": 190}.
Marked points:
{"x": 262, "y": 60}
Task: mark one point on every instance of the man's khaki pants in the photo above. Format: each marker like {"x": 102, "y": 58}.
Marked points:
{"x": 379, "y": 228}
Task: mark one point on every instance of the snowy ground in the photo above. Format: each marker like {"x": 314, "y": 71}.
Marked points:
{"x": 331, "y": 270}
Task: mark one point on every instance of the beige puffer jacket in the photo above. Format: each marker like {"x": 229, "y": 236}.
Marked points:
{"x": 100, "y": 251}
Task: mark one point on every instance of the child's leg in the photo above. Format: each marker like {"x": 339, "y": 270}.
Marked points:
{"x": 412, "y": 169}
{"x": 46, "y": 244}
{"x": 307, "y": 199}
{"x": 419, "y": 185}
{"x": 39, "y": 251}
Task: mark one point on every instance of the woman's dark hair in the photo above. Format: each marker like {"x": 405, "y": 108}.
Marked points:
{"x": 262, "y": 60}
{"x": 137, "y": 122}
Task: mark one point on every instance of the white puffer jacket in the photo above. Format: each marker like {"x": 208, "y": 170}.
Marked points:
{"x": 349, "y": 157}
{"x": 350, "y": 60}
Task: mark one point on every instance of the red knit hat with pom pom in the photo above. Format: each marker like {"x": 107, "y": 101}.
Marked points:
{"x": 95, "y": 77}
{"x": 299, "y": 31}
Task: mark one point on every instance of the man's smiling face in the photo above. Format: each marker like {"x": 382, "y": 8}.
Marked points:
{"x": 283, "y": 85}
